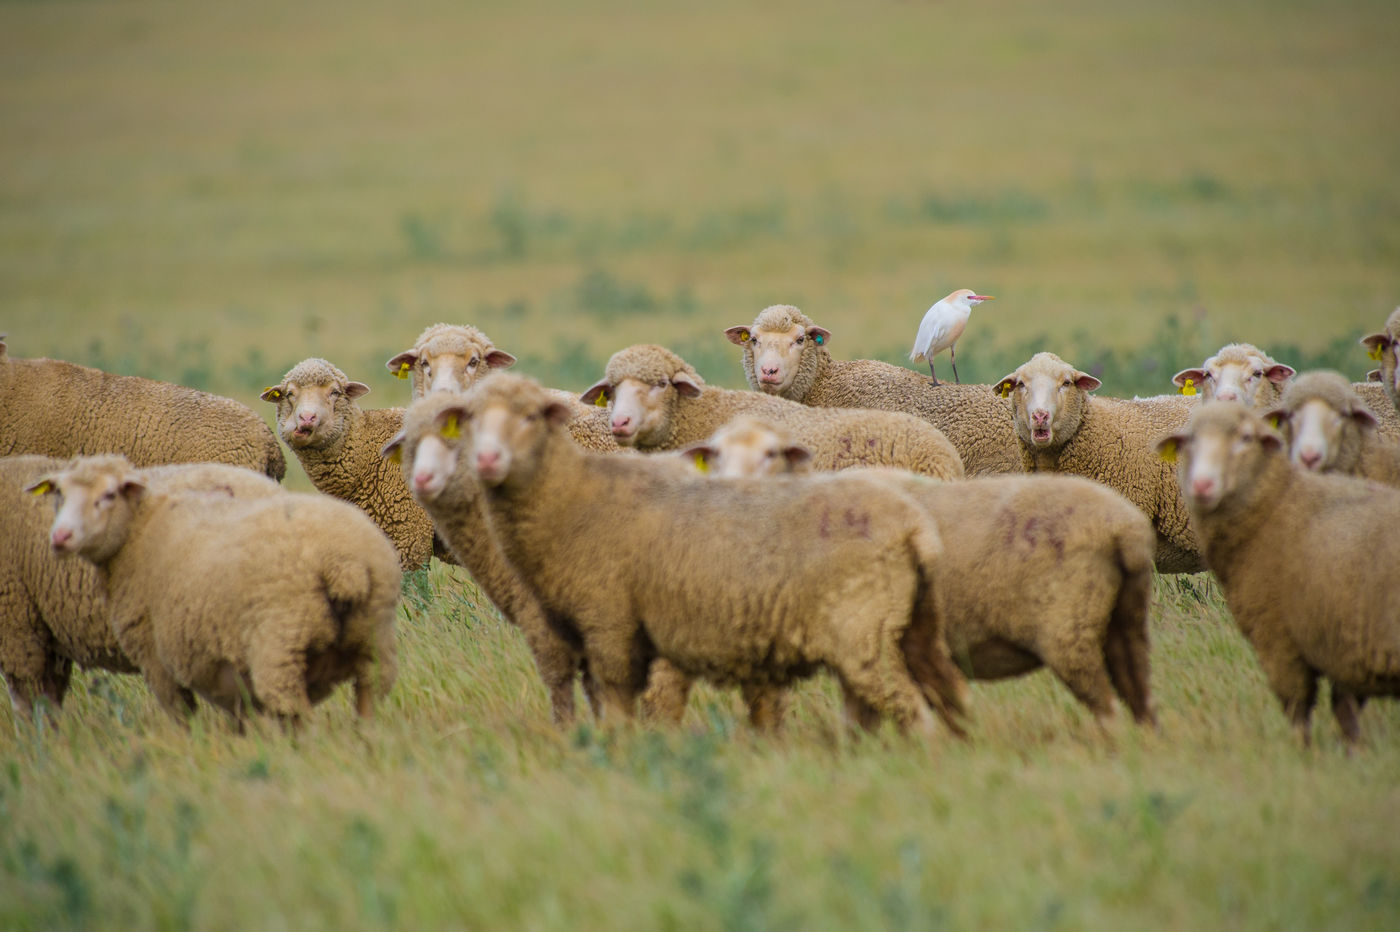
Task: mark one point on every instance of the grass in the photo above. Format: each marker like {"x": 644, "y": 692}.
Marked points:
{"x": 462, "y": 806}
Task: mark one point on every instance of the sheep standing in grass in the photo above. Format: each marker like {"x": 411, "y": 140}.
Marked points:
{"x": 1383, "y": 347}
{"x": 1307, "y": 561}
{"x": 787, "y": 355}
{"x": 1330, "y": 429}
{"x": 430, "y": 449}
{"x": 1110, "y": 440}
{"x": 648, "y": 561}
{"x": 53, "y": 613}
{"x": 53, "y": 408}
{"x": 251, "y": 603}
{"x": 338, "y": 444}
{"x": 1075, "y": 552}
{"x": 657, "y": 401}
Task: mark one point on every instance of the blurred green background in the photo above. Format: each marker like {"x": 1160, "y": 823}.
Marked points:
{"x": 209, "y": 193}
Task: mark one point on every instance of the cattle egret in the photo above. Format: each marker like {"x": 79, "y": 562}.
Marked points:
{"x": 942, "y": 326}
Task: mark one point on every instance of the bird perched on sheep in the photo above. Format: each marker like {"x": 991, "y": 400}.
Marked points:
{"x": 49, "y": 407}
{"x": 1110, "y": 440}
{"x": 451, "y": 357}
{"x": 1306, "y": 561}
{"x": 1329, "y": 428}
{"x": 941, "y": 327}
{"x": 53, "y": 613}
{"x": 430, "y": 451}
{"x": 1041, "y": 570}
{"x": 338, "y": 444}
{"x": 657, "y": 401}
{"x": 251, "y": 603}
{"x": 786, "y": 354}
{"x": 1239, "y": 372}
{"x": 1383, "y": 347}
{"x": 649, "y": 560}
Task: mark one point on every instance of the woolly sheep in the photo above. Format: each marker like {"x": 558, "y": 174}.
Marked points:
{"x": 1307, "y": 561}
{"x": 1110, "y": 440}
{"x": 646, "y": 558}
{"x": 657, "y": 401}
{"x": 1328, "y": 428}
{"x": 451, "y": 357}
{"x": 338, "y": 444}
{"x": 53, "y": 613}
{"x": 794, "y": 363}
{"x": 49, "y": 407}
{"x": 251, "y": 603}
{"x": 1074, "y": 552}
{"x": 1383, "y": 347}
{"x": 1239, "y": 372}
{"x": 429, "y": 449}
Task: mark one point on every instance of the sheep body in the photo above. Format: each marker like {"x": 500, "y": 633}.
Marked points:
{"x": 663, "y": 404}
{"x": 1063, "y": 429}
{"x": 647, "y": 560}
{"x": 1307, "y": 561}
{"x": 972, "y": 417}
{"x": 262, "y": 603}
{"x": 49, "y": 407}
{"x": 1330, "y": 428}
{"x": 53, "y": 613}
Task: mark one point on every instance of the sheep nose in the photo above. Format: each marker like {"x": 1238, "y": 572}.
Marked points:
{"x": 770, "y": 370}
{"x": 1227, "y": 394}
{"x": 1040, "y": 417}
{"x": 60, "y": 537}
{"x": 1310, "y": 457}
{"x": 306, "y": 418}
{"x": 621, "y": 422}
{"x": 1202, "y": 487}
{"x": 421, "y": 480}
{"x": 487, "y": 460}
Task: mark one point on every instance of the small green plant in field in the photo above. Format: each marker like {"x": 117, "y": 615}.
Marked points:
{"x": 425, "y": 236}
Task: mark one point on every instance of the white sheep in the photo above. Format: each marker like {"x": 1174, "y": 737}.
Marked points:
{"x": 1239, "y": 372}
{"x": 1307, "y": 561}
{"x": 1329, "y": 428}
{"x": 251, "y": 603}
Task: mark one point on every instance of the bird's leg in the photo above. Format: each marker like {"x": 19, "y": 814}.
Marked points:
{"x": 954, "y": 360}
{"x": 933, "y": 374}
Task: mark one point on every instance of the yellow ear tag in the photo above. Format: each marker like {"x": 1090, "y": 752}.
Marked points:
{"x": 404, "y": 368}
{"x": 1168, "y": 452}
{"x": 451, "y": 430}
{"x": 700, "y": 463}
{"x": 1376, "y": 352}
{"x": 42, "y": 488}
{"x": 745, "y": 336}
{"x": 396, "y": 455}
{"x": 1275, "y": 421}
{"x": 1189, "y": 388}
{"x": 1006, "y": 390}
{"x": 602, "y": 400}
{"x": 273, "y": 392}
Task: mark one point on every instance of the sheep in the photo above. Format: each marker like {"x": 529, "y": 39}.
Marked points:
{"x": 648, "y": 560}
{"x": 254, "y": 604}
{"x": 1306, "y": 561}
{"x": 657, "y": 401}
{"x": 53, "y": 613}
{"x": 451, "y": 357}
{"x": 795, "y": 364}
{"x": 429, "y": 449}
{"x": 338, "y": 444}
{"x": 1329, "y": 428}
{"x": 1075, "y": 553}
{"x": 1062, "y": 429}
{"x": 1382, "y": 348}
{"x": 1239, "y": 372}
{"x": 49, "y": 407}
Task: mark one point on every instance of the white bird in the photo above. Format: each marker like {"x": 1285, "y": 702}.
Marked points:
{"x": 942, "y": 326}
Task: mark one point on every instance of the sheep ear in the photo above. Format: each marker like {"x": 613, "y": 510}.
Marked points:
{"x": 402, "y": 364}
{"x": 1277, "y": 417}
{"x": 1374, "y": 375}
{"x": 797, "y": 456}
{"x": 3, "y": 348}
{"x": 1169, "y": 447}
{"x": 393, "y": 450}
{"x": 1196, "y": 377}
{"x": 273, "y": 393}
{"x": 598, "y": 394}
{"x": 1375, "y": 345}
{"x": 1364, "y": 417}
{"x": 132, "y": 488}
{"x": 558, "y": 414}
{"x": 43, "y": 486}
{"x": 1085, "y": 381}
{"x": 685, "y": 384}
{"x": 449, "y": 421}
{"x": 1278, "y": 373}
{"x": 355, "y": 389}
{"x": 499, "y": 359}
{"x": 820, "y": 335}
{"x": 739, "y": 335}
{"x": 1271, "y": 440}
{"x": 702, "y": 455}
{"x": 1005, "y": 386}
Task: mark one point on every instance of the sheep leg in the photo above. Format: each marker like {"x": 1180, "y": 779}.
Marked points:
{"x": 1085, "y": 674}
{"x": 767, "y": 705}
{"x": 277, "y": 671}
{"x": 857, "y": 712}
{"x": 175, "y": 699}
{"x": 930, "y": 663}
{"x": 1346, "y": 710}
{"x": 557, "y": 662}
{"x": 666, "y": 694}
{"x": 1295, "y": 685}
{"x": 887, "y": 686}
{"x": 1126, "y": 645}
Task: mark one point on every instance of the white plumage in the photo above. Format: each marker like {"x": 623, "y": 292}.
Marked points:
{"x": 942, "y": 326}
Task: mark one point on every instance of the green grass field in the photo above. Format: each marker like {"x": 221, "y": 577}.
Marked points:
{"x": 209, "y": 193}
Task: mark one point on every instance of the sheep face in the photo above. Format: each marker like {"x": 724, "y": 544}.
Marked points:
{"x": 749, "y": 447}
{"x": 311, "y": 413}
{"x": 1324, "y": 431}
{"x": 510, "y": 420}
{"x": 1048, "y": 398}
{"x": 1383, "y": 348}
{"x": 1240, "y": 372}
{"x": 640, "y": 412}
{"x": 1220, "y": 455}
{"x": 96, "y": 501}
{"x": 448, "y": 358}
{"x": 776, "y": 354}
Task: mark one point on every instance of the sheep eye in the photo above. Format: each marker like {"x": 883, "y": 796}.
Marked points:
{"x": 107, "y": 496}
{"x": 662, "y": 384}
{"x": 800, "y": 340}
{"x": 336, "y": 393}
{"x": 1257, "y": 373}
{"x": 473, "y": 362}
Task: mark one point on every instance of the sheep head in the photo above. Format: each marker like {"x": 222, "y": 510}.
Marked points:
{"x": 314, "y": 401}
{"x": 511, "y": 419}
{"x": 1240, "y": 372}
{"x": 1323, "y": 421}
{"x": 97, "y": 497}
{"x": 1221, "y": 454}
{"x": 748, "y": 446}
{"x": 775, "y": 346}
{"x": 641, "y": 387}
{"x": 448, "y": 357}
{"x": 1048, "y": 396}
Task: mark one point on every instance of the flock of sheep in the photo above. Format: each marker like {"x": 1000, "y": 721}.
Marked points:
{"x": 847, "y": 515}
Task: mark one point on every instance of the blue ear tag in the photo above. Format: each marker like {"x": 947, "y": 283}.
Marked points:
{"x": 820, "y": 339}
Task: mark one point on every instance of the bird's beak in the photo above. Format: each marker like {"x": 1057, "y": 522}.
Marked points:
{"x": 984, "y": 297}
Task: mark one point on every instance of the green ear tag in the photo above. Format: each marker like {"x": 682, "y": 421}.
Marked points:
{"x": 1189, "y": 388}
{"x": 404, "y": 368}
{"x": 451, "y": 430}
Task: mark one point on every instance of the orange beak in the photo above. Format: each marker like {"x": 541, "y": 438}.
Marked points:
{"x": 984, "y": 297}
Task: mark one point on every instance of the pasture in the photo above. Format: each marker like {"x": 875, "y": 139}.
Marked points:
{"x": 208, "y": 194}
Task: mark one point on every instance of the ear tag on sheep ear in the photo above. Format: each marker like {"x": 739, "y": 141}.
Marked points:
{"x": 396, "y": 455}
{"x": 1376, "y": 352}
{"x": 700, "y": 463}
{"x": 602, "y": 399}
{"x": 1006, "y": 389}
{"x": 745, "y": 336}
{"x": 403, "y": 370}
{"x": 1167, "y": 452}
{"x": 273, "y": 393}
{"x": 1189, "y": 388}
{"x": 820, "y": 339}
{"x": 451, "y": 430}
{"x": 1274, "y": 421}
{"x": 42, "y": 488}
